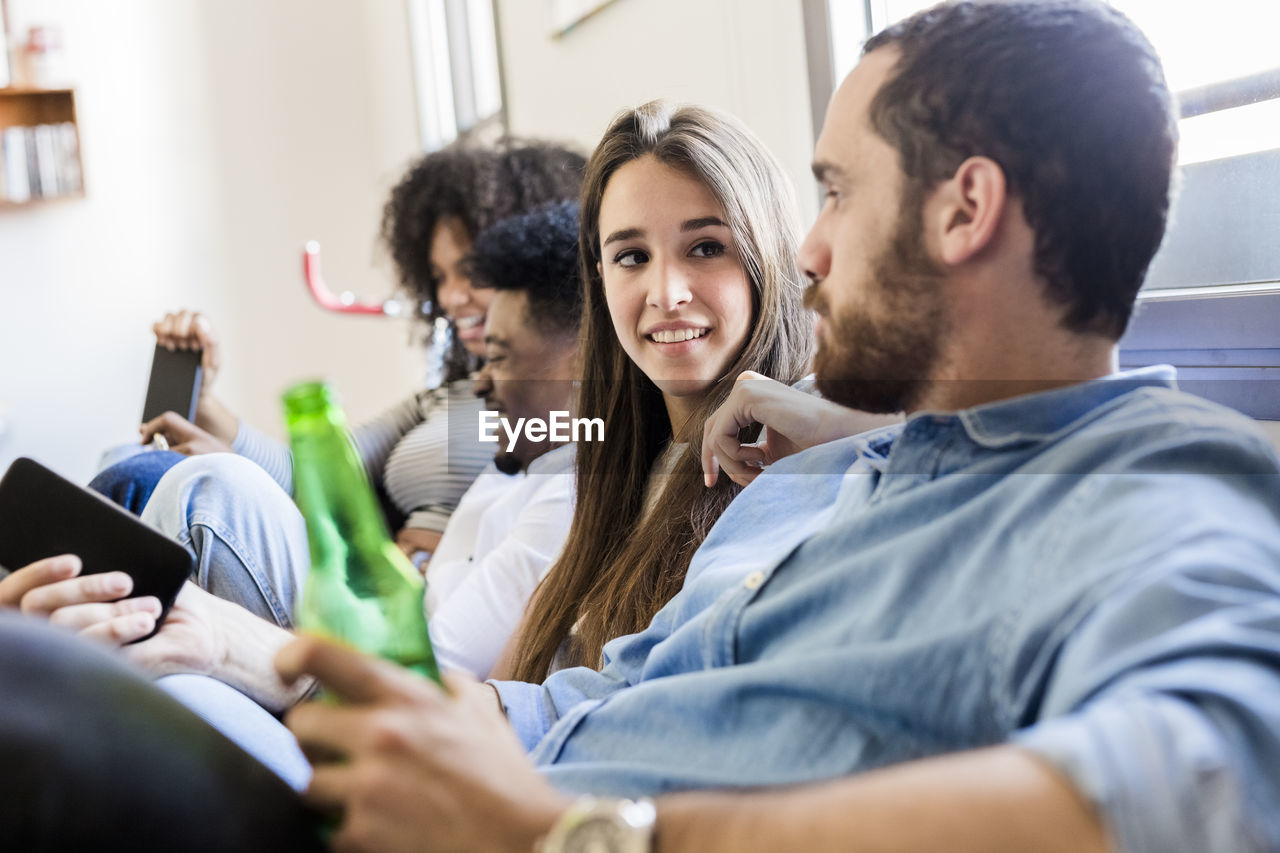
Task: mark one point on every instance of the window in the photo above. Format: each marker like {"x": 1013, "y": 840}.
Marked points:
{"x": 455, "y": 58}
{"x": 1211, "y": 304}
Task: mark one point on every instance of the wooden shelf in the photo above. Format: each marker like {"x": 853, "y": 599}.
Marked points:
{"x": 24, "y": 106}
{"x": 5, "y": 204}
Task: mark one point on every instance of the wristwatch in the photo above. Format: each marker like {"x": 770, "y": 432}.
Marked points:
{"x": 596, "y": 825}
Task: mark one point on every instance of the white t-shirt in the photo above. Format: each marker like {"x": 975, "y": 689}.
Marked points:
{"x": 500, "y": 541}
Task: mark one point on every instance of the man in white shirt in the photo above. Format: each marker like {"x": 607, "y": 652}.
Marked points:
{"x": 511, "y": 524}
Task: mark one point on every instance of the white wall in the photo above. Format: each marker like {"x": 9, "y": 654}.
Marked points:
{"x": 744, "y": 56}
{"x": 217, "y": 136}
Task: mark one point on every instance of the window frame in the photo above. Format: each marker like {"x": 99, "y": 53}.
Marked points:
{"x": 442, "y": 39}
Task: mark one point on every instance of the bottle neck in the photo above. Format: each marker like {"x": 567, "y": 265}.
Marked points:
{"x": 329, "y": 476}
{"x": 307, "y": 399}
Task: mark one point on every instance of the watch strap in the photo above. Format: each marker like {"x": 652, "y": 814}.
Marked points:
{"x": 631, "y": 823}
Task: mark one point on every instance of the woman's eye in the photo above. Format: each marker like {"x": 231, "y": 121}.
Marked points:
{"x": 708, "y": 249}
{"x": 630, "y": 258}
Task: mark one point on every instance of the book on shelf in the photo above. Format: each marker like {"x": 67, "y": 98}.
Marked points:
{"x": 17, "y": 187}
{"x": 40, "y": 161}
{"x": 70, "y": 161}
{"x": 47, "y": 157}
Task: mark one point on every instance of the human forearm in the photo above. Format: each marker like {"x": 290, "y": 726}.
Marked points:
{"x": 213, "y": 416}
{"x": 793, "y": 421}
{"x": 249, "y": 648}
{"x": 1000, "y": 799}
{"x": 838, "y": 421}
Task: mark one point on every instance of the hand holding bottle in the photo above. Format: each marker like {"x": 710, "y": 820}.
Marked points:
{"x": 407, "y": 764}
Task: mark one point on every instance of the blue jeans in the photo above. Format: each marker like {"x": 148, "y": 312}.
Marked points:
{"x": 250, "y": 545}
{"x": 248, "y": 538}
{"x": 130, "y": 481}
{"x": 244, "y": 722}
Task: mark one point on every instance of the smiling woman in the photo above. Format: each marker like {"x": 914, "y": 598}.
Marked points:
{"x": 464, "y": 305}
{"x": 677, "y": 292}
{"x": 688, "y": 236}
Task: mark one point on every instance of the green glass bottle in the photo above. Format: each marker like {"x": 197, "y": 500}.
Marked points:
{"x": 361, "y": 590}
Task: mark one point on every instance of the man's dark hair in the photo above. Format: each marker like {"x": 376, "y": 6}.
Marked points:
{"x": 1069, "y": 98}
{"x": 536, "y": 252}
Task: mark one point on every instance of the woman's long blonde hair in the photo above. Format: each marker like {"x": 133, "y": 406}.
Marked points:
{"x": 619, "y": 566}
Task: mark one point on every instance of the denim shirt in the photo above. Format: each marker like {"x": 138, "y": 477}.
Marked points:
{"x": 1090, "y": 572}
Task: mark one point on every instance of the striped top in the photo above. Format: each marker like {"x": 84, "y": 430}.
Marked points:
{"x": 424, "y": 452}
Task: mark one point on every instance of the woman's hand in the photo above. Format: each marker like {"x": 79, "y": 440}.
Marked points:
{"x": 192, "y": 330}
{"x": 183, "y": 436}
{"x": 412, "y": 540}
{"x": 793, "y": 420}
{"x": 188, "y": 330}
{"x": 409, "y": 766}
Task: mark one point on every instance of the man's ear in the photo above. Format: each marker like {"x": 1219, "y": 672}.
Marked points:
{"x": 968, "y": 209}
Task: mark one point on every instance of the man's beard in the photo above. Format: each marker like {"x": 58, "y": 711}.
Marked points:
{"x": 507, "y": 463}
{"x": 882, "y": 362}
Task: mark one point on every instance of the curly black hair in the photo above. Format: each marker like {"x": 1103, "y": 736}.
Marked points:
{"x": 476, "y": 185}
{"x": 536, "y": 252}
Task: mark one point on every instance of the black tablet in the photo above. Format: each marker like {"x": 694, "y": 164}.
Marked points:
{"x": 175, "y": 383}
{"x": 43, "y": 515}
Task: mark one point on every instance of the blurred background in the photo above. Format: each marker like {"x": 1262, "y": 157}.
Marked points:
{"x": 216, "y": 136}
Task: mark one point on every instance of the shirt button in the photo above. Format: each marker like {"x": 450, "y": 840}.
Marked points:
{"x": 754, "y": 580}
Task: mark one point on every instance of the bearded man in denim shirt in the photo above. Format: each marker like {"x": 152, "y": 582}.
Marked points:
{"x": 1042, "y": 614}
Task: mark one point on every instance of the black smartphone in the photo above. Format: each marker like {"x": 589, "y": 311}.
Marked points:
{"x": 43, "y": 515}
{"x": 174, "y": 384}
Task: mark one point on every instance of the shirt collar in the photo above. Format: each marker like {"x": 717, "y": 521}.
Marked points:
{"x": 1035, "y": 417}
{"x": 555, "y": 461}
